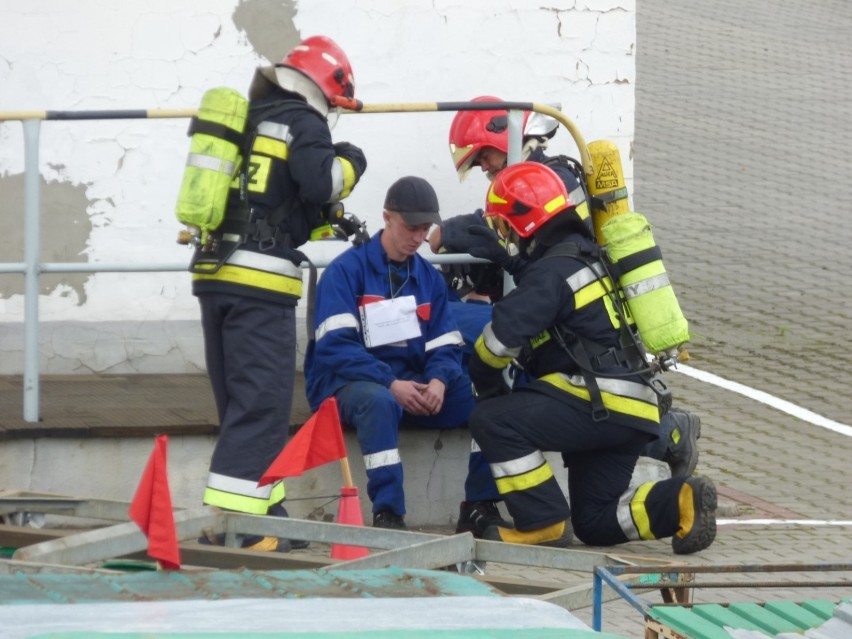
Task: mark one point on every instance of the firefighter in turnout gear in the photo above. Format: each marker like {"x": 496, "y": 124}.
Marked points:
{"x": 481, "y": 138}
{"x": 591, "y": 398}
{"x": 248, "y": 279}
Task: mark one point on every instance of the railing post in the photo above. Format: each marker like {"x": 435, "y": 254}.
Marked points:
{"x": 32, "y": 250}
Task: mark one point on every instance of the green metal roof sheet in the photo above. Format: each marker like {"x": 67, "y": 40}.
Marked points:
{"x": 709, "y": 621}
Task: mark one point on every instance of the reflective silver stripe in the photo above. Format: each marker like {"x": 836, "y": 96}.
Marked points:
{"x": 647, "y": 285}
{"x": 585, "y": 276}
{"x": 231, "y": 237}
{"x": 495, "y": 346}
{"x": 337, "y": 184}
{"x": 518, "y": 466}
{"x": 210, "y": 163}
{"x": 334, "y": 322}
{"x": 620, "y": 387}
{"x": 453, "y": 338}
{"x": 263, "y": 262}
{"x": 383, "y": 458}
{"x": 577, "y": 196}
{"x": 625, "y": 515}
{"x": 244, "y": 487}
{"x": 275, "y": 130}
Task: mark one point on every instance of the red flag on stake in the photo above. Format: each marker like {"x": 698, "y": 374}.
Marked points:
{"x": 151, "y": 508}
{"x": 319, "y": 441}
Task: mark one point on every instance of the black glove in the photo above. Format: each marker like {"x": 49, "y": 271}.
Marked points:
{"x": 349, "y": 151}
{"x": 487, "y": 246}
{"x": 455, "y": 233}
{"x": 487, "y": 381}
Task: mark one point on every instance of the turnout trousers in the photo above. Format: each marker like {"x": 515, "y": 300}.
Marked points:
{"x": 513, "y": 430}
{"x": 375, "y": 415}
{"x": 250, "y": 349}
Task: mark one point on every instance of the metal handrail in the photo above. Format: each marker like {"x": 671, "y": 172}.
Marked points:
{"x": 32, "y": 268}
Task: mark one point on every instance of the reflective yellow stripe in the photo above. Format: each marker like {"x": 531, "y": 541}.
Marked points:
{"x": 556, "y": 204}
{"x": 244, "y": 503}
{"x": 617, "y": 403}
{"x": 525, "y": 481}
{"x": 257, "y": 279}
{"x": 348, "y": 178}
{"x": 640, "y": 513}
{"x": 488, "y": 357}
{"x": 270, "y": 147}
{"x": 589, "y": 294}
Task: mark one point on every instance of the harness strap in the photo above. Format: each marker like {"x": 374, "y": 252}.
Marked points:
{"x": 197, "y": 125}
{"x": 635, "y": 260}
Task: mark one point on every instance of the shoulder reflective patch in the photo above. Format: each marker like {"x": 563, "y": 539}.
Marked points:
{"x": 453, "y": 338}
{"x": 336, "y": 322}
{"x": 275, "y": 130}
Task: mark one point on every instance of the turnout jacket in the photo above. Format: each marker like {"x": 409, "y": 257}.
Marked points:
{"x": 292, "y": 171}
{"x": 362, "y": 275}
{"x": 562, "y": 297}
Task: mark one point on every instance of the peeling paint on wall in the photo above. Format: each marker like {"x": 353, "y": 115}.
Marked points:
{"x": 63, "y": 206}
{"x": 269, "y": 26}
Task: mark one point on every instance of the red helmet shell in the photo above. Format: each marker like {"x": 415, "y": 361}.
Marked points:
{"x": 322, "y": 60}
{"x": 471, "y": 131}
{"x": 526, "y": 195}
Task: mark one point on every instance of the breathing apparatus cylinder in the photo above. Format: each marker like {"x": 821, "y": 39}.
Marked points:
{"x": 649, "y": 296}
{"x": 213, "y": 161}
{"x": 607, "y": 184}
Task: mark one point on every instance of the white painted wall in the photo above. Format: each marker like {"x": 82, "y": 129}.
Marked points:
{"x": 154, "y": 54}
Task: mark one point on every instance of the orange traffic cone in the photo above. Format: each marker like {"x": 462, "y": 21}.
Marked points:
{"x": 349, "y": 512}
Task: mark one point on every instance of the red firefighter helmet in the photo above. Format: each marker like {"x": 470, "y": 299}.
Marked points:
{"x": 316, "y": 68}
{"x": 525, "y": 196}
{"x": 470, "y": 131}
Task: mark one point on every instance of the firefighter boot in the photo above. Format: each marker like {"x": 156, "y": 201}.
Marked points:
{"x": 249, "y": 542}
{"x": 682, "y": 451}
{"x": 558, "y": 535}
{"x": 697, "y": 504}
{"x": 476, "y": 516}
{"x": 278, "y": 510}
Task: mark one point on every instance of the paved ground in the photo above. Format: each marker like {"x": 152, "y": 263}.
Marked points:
{"x": 742, "y": 163}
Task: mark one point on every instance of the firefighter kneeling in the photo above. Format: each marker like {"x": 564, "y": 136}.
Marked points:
{"x": 588, "y": 394}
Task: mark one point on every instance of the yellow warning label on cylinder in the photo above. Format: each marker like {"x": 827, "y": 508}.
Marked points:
{"x": 607, "y": 176}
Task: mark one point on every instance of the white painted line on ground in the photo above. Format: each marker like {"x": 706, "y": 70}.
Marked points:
{"x": 783, "y": 522}
{"x": 765, "y": 398}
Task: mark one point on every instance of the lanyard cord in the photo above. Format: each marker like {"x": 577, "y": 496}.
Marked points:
{"x": 393, "y": 293}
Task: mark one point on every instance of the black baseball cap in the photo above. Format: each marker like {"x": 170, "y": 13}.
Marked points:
{"x": 414, "y": 199}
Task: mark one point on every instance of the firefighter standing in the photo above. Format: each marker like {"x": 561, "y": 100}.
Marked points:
{"x": 248, "y": 302}
{"x": 590, "y": 398}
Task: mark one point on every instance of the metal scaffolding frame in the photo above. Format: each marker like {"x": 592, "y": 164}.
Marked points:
{"x": 398, "y": 548}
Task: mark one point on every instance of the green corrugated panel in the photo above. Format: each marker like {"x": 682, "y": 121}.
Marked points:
{"x": 820, "y": 607}
{"x": 766, "y": 619}
{"x": 686, "y": 622}
{"x": 169, "y": 585}
{"x": 515, "y": 633}
{"x": 723, "y": 616}
{"x": 794, "y": 613}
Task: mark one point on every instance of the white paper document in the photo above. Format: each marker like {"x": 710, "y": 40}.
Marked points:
{"x": 390, "y": 321}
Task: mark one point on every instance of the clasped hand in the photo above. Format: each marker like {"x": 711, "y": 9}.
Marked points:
{"x": 418, "y": 398}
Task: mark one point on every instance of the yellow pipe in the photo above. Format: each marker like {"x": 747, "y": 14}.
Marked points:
{"x": 350, "y": 106}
